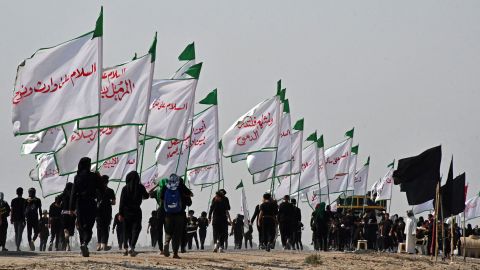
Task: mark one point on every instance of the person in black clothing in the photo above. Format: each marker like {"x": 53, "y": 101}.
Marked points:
{"x": 202, "y": 229}
{"x": 255, "y": 216}
{"x": 286, "y": 219}
{"x": 248, "y": 236}
{"x": 4, "y": 213}
{"x": 152, "y": 229}
{"x": 238, "y": 231}
{"x": 117, "y": 224}
{"x": 104, "y": 214}
{"x": 33, "y": 211}
{"x": 133, "y": 193}
{"x": 43, "y": 228}
{"x": 192, "y": 226}
{"x": 17, "y": 216}
{"x": 267, "y": 220}
{"x": 296, "y": 228}
{"x": 68, "y": 216}
{"x": 220, "y": 218}
{"x": 175, "y": 197}
{"x": 55, "y": 223}
{"x": 86, "y": 187}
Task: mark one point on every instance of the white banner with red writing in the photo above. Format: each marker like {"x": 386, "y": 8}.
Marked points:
{"x": 83, "y": 143}
{"x": 203, "y": 141}
{"x": 254, "y": 131}
{"x": 360, "y": 182}
{"x": 472, "y": 208}
{"x": 118, "y": 167}
{"x": 50, "y": 181}
{"x": 264, "y": 160}
{"x": 171, "y": 107}
{"x": 172, "y": 157}
{"x": 384, "y": 187}
{"x": 346, "y": 182}
{"x": 57, "y": 85}
{"x": 47, "y": 141}
{"x": 124, "y": 95}
{"x": 150, "y": 178}
{"x": 205, "y": 175}
{"x": 337, "y": 160}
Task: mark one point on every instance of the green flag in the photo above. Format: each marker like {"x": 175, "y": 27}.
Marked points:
{"x": 194, "y": 70}
{"x": 350, "y": 133}
{"x": 368, "y": 161}
{"x": 355, "y": 149}
{"x": 98, "y": 32}
{"x": 320, "y": 143}
{"x": 391, "y": 164}
{"x": 210, "y": 99}
{"x": 239, "y": 185}
{"x": 282, "y": 94}
{"x": 134, "y": 57}
{"x": 286, "y": 106}
{"x": 312, "y": 137}
{"x": 153, "y": 48}
{"x": 279, "y": 86}
{"x": 298, "y": 125}
{"x": 188, "y": 53}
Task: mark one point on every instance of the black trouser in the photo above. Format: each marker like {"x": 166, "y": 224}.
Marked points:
{"x": 298, "y": 239}
{"x": 103, "y": 229}
{"x": 285, "y": 232}
{"x": 174, "y": 227}
{"x": 191, "y": 236}
{"x": 220, "y": 231}
{"x": 268, "y": 230}
{"x": 32, "y": 225}
{"x": 3, "y": 232}
{"x": 86, "y": 212}
{"x": 248, "y": 240}
{"x": 161, "y": 222}
{"x": 238, "y": 239}
{"x": 43, "y": 242}
{"x": 260, "y": 239}
{"x": 18, "y": 226}
{"x": 184, "y": 240}
{"x": 154, "y": 236}
{"x": 133, "y": 226}
{"x": 322, "y": 235}
{"x": 203, "y": 234}
{"x": 120, "y": 236}
{"x": 56, "y": 231}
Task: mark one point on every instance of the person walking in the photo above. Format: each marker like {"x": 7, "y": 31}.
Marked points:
{"x": 192, "y": 227}
{"x": 267, "y": 221}
{"x": 202, "y": 229}
{"x": 118, "y": 225}
{"x": 17, "y": 216}
{"x": 219, "y": 217}
{"x": 85, "y": 190}
{"x": 4, "y": 213}
{"x": 286, "y": 219}
{"x": 152, "y": 229}
{"x": 68, "y": 216}
{"x": 133, "y": 193}
{"x": 43, "y": 228}
{"x": 238, "y": 231}
{"x": 55, "y": 223}
{"x": 33, "y": 212}
{"x": 410, "y": 232}
{"x": 104, "y": 214}
{"x": 175, "y": 197}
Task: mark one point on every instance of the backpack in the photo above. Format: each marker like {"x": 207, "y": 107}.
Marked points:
{"x": 172, "y": 201}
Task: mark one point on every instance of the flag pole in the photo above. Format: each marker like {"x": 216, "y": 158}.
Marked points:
{"x": 100, "y": 68}
{"x": 464, "y": 239}
{"x": 437, "y": 203}
{"x": 451, "y": 238}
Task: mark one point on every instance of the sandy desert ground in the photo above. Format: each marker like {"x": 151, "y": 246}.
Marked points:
{"x": 252, "y": 259}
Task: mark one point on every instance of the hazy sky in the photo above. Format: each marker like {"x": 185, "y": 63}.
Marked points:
{"x": 405, "y": 74}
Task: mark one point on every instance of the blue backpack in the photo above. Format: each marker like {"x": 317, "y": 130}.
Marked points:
{"x": 172, "y": 201}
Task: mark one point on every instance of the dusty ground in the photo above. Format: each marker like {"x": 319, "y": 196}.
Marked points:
{"x": 231, "y": 260}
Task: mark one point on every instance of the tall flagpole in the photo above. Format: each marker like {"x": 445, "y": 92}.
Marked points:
{"x": 99, "y": 23}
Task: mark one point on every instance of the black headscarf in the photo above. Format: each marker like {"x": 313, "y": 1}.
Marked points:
{"x": 84, "y": 165}
{"x": 132, "y": 181}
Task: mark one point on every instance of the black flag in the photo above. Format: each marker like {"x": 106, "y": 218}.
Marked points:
{"x": 453, "y": 196}
{"x": 419, "y": 175}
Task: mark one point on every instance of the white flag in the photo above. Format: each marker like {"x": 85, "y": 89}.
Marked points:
{"x": 117, "y": 167}
{"x": 150, "y": 178}
{"x": 322, "y": 168}
{"x": 472, "y": 208}
{"x": 261, "y": 161}
{"x": 203, "y": 142}
{"x": 256, "y": 130}
{"x": 337, "y": 159}
{"x": 171, "y": 107}
{"x": 172, "y": 157}
{"x": 83, "y": 143}
{"x": 244, "y": 209}
{"x": 361, "y": 179}
{"x": 238, "y": 158}
{"x": 384, "y": 187}
{"x": 180, "y": 73}
{"x": 57, "y": 85}
{"x": 125, "y": 94}
{"x": 50, "y": 181}
{"x": 50, "y": 140}
{"x": 204, "y": 175}
{"x": 420, "y": 208}
{"x": 309, "y": 175}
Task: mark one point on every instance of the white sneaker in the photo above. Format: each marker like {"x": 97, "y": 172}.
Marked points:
{"x": 220, "y": 250}
{"x": 215, "y": 249}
